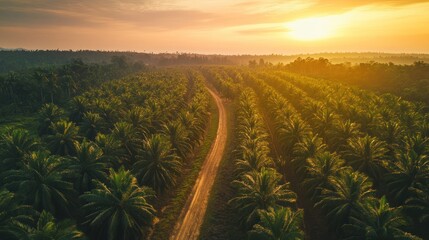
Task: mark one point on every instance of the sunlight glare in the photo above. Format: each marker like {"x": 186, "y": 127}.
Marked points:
{"x": 309, "y": 29}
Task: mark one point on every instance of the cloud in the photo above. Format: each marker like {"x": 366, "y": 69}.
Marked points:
{"x": 338, "y": 6}
{"x": 43, "y": 18}
{"x": 164, "y": 15}
{"x": 168, "y": 14}
{"x": 95, "y": 13}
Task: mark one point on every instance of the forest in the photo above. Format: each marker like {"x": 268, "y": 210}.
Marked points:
{"x": 314, "y": 150}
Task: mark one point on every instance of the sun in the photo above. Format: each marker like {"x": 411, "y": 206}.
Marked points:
{"x": 310, "y": 29}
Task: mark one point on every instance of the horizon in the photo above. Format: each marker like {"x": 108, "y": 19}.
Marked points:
{"x": 238, "y": 27}
{"x": 208, "y": 54}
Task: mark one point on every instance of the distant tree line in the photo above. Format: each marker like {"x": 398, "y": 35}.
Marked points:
{"x": 194, "y": 59}
{"x": 22, "y": 59}
{"x": 30, "y": 88}
{"x": 408, "y": 81}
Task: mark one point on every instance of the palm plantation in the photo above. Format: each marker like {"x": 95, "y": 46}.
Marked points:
{"x": 306, "y": 158}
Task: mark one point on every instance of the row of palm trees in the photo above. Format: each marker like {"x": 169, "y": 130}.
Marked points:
{"x": 228, "y": 87}
{"x": 364, "y": 153}
{"x": 99, "y": 164}
{"x": 264, "y": 202}
{"x": 399, "y": 140}
{"x": 366, "y": 108}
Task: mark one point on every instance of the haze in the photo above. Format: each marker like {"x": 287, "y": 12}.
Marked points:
{"x": 222, "y": 26}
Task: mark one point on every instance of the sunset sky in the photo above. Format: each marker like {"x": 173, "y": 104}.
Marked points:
{"x": 217, "y": 26}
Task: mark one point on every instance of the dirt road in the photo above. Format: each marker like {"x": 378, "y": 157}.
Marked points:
{"x": 192, "y": 216}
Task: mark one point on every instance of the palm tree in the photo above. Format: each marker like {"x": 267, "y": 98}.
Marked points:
{"x": 10, "y": 85}
{"x": 40, "y": 76}
{"x": 345, "y": 196}
{"x": 40, "y": 183}
{"x": 418, "y": 204}
{"x": 139, "y": 120}
{"x": 47, "y": 115}
{"x": 118, "y": 209}
{"x": 377, "y": 221}
{"x": 68, "y": 85}
{"x": 292, "y": 132}
{"x": 64, "y": 138}
{"x": 158, "y": 165}
{"x": 409, "y": 120}
{"x": 128, "y": 138}
{"x": 78, "y": 106}
{"x": 367, "y": 154}
{"x": 342, "y": 132}
{"x": 15, "y": 144}
{"x": 194, "y": 120}
{"x": 310, "y": 108}
{"x": 309, "y": 147}
{"x": 88, "y": 164}
{"x": 13, "y": 215}
{"x": 52, "y": 84}
{"x": 324, "y": 121}
{"x": 319, "y": 172}
{"x": 47, "y": 228}
{"x": 367, "y": 120}
{"x": 417, "y": 144}
{"x": 410, "y": 170}
{"x": 179, "y": 138}
{"x": 91, "y": 125}
{"x": 107, "y": 111}
{"x": 278, "y": 224}
{"x": 252, "y": 138}
{"x": 252, "y": 160}
{"x": 111, "y": 147}
{"x": 392, "y": 133}
{"x": 260, "y": 191}
{"x": 424, "y": 128}
{"x": 156, "y": 112}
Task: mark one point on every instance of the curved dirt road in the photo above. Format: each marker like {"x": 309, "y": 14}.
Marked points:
{"x": 192, "y": 216}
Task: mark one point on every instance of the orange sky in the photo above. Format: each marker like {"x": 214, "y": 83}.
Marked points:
{"x": 217, "y": 26}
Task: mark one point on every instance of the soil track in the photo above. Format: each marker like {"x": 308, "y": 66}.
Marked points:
{"x": 192, "y": 216}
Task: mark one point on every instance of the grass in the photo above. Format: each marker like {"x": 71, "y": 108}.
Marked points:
{"x": 171, "y": 204}
{"x": 221, "y": 220}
